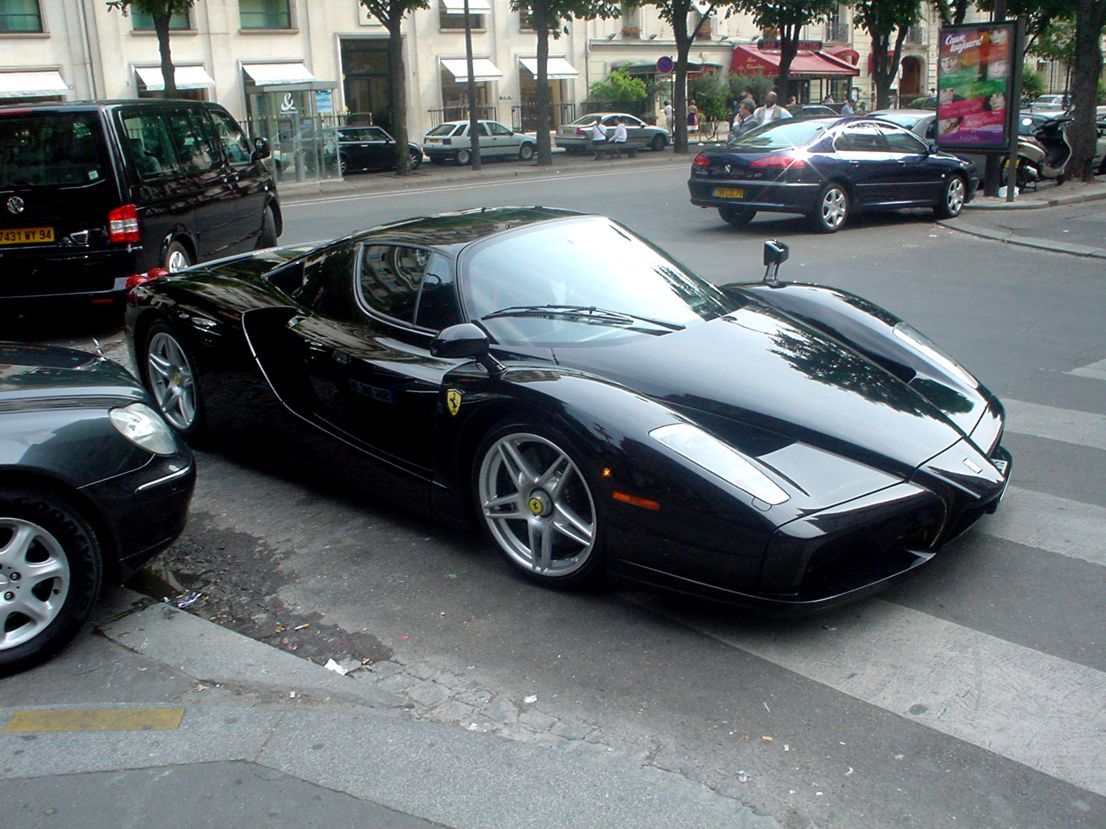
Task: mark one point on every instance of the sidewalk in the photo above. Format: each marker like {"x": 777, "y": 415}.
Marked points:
{"x": 159, "y": 718}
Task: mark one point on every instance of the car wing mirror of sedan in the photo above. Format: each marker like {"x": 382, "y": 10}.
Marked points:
{"x": 466, "y": 340}
{"x": 934, "y": 149}
{"x": 261, "y": 149}
{"x": 775, "y": 254}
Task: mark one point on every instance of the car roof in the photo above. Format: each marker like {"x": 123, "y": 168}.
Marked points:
{"x": 95, "y": 106}
{"x": 457, "y": 229}
{"x": 918, "y": 113}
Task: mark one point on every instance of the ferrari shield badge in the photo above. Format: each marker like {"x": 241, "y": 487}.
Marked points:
{"x": 453, "y": 401}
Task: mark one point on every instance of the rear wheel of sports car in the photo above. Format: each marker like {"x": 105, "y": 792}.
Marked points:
{"x": 537, "y": 505}
{"x": 952, "y": 198}
{"x": 170, "y": 375}
{"x": 736, "y": 216}
{"x": 831, "y": 210}
{"x": 525, "y": 152}
{"x": 463, "y": 157}
{"x": 50, "y": 572}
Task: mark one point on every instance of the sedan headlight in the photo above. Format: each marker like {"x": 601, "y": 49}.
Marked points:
{"x": 716, "y": 457}
{"x": 144, "y": 427}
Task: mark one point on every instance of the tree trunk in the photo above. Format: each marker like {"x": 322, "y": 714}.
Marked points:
{"x": 789, "y": 47}
{"x": 168, "y": 72}
{"x": 470, "y": 88}
{"x": 679, "y": 93}
{"x": 541, "y": 105}
{"x": 398, "y": 88}
{"x": 1089, "y": 18}
{"x": 885, "y": 64}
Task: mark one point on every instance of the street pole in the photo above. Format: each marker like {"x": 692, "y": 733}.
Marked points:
{"x": 474, "y": 127}
{"x": 992, "y": 172}
{"x": 1014, "y": 110}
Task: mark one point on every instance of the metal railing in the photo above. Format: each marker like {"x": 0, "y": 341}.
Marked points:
{"x": 524, "y": 116}
{"x": 459, "y": 113}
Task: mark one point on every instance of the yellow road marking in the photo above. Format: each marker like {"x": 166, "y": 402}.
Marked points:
{"x": 95, "y": 719}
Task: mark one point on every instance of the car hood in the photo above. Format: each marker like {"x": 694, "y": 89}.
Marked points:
{"x": 757, "y": 368}
{"x": 47, "y": 373}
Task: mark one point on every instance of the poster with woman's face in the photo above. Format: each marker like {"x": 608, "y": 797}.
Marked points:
{"x": 974, "y": 82}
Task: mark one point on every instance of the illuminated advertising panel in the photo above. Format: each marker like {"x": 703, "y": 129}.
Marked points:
{"x": 975, "y": 76}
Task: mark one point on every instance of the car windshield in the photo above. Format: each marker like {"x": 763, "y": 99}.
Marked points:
{"x": 443, "y": 129}
{"x": 899, "y": 118}
{"x": 781, "y": 135}
{"x": 50, "y": 149}
{"x": 577, "y": 280}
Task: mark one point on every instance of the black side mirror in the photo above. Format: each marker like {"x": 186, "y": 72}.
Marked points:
{"x": 933, "y": 149}
{"x": 466, "y": 340}
{"x": 261, "y": 149}
{"x": 775, "y": 254}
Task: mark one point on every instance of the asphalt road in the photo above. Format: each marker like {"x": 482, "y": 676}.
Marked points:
{"x": 971, "y": 695}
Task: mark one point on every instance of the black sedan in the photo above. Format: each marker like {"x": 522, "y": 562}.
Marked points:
{"x": 591, "y": 402}
{"x": 92, "y": 484}
{"x": 361, "y": 149}
{"x": 828, "y": 168}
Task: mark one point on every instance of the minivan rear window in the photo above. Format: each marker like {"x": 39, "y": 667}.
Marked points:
{"x": 50, "y": 149}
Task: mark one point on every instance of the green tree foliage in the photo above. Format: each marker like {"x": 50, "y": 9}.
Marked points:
{"x": 390, "y": 13}
{"x": 759, "y": 85}
{"x": 161, "y": 11}
{"x": 1039, "y": 15}
{"x": 1033, "y": 84}
{"x": 712, "y": 97}
{"x": 787, "y": 17}
{"x": 618, "y": 88}
{"x": 887, "y": 22}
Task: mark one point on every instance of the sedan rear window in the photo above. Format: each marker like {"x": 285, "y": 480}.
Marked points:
{"x": 443, "y": 129}
{"x": 782, "y": 135}
{"x": 50, "y": 149}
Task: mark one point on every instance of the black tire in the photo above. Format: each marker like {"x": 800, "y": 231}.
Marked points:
{"x": 415, "y": 159}
{"x": 831, "y": 209}
{"x": 268, "y": 236}
{"x": 463, "y": 157}
{"x": 176, "y": 258}
{"x": 168, "y": 372}
{"x": 953, "y": 196}
{"x": 564, "y": 510}
{"x": 525, "y": 151}
{"x": 58, "y": 534}
{"x": 658, "y": 143}
{"x": 736, "y": 216}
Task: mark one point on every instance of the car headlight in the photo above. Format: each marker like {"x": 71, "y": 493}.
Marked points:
{"x": 928, "y": 349}
{"x": 144, "y": 427}
{"x": 716, "y": 457}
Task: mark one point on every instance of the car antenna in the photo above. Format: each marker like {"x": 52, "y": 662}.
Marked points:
{"x": 775, "y": 254}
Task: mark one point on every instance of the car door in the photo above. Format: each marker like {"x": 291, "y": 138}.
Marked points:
{"x": 366, "y": 357}
{"x": 379, "y": 148}
{"x": 504, "y": 141}
{"x": 635, "y": 130}
{"x": 864, "y": 157}
{"x": 916, "y": 179}
{"x": 245, "y": 177}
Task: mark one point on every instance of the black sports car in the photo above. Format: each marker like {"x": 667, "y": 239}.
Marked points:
{"x": 371, "y": 148}
{"x": 828, "y": 169}
{"x": 92, "y": 484}
{"x": 591, "y": 401}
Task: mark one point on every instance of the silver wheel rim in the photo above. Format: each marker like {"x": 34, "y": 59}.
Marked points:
{"x": 178, "y": 261}
{"x": 463, "y": 157}
{"x": 526, "y": 152}
{"x": 172, "y": 381}
{"x": 34, "y": 581}
{"x": 954, "y": 198}
{"x": 834, "y": 205}
{"x": 537, "y": 505}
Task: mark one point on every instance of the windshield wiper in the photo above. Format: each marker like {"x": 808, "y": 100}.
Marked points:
{"x": 586, "y": 313}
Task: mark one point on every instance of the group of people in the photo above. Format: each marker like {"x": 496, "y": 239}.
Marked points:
{"x": 601, "y": 136}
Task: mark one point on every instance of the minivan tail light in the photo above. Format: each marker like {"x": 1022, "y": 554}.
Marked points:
{"x": 778, "y": 162}
{"x": 123, "y": 224}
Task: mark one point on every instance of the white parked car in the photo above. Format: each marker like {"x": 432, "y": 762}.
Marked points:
{"x": 450, "y": 142}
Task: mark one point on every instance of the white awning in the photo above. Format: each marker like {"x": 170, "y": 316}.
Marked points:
{"x": 557, "y": 69}
{"x": 701, "y": 6}
{"x": 187, "y": 77}
{"x": 482, "y": 69}
{"x": 32, "y": 84}
{"x": 458, "y": 6}
{"x": 271, "y": 74}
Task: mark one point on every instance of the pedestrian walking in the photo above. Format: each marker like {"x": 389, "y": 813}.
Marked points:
{"x": 669, "y": 117}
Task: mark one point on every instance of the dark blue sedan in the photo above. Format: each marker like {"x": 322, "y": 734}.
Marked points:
{"x": 828, "y": 168}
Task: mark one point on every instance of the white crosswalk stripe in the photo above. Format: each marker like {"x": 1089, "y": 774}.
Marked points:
{"x": 1095, "y": 371}
{"x": 1058, "y": 525}
{"x": 1039, "y": 710}
{"x": 1065, "y": 425}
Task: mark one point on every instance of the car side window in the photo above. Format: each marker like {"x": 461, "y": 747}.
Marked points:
{"x": 901, "y": 141}
{"x": 374, "y": 134}
{"x": 149, "y": 144}
{"x": 390, "y": 277}
{"x": 862, "y": 137}
{"x": 437, "y": 303}
{"x": 191, "y": 143}
{"x": 499, "y": 129}
{"x": 235, "y": 144}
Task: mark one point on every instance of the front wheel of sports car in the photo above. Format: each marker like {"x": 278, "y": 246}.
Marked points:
{"x": 537, "y": 505}
{"x": 831, "y": 210}
{"x": 952, "y": 198}
{"x": 50, "y": 572}
{"x": 736, "y": 216}
{"x": 170, "y": 375}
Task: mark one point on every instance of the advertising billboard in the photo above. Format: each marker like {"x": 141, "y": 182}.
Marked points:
{"x": 975, "y": 81}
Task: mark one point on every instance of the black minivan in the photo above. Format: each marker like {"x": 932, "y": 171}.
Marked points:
{"x": 93, "y": 193}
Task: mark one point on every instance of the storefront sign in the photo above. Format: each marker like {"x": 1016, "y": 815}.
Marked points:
{"x": 975, "y": 74}
{"x": 804, "y": 45}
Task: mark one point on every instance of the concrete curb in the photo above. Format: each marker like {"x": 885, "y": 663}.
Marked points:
{"x": 1007, "y": 237}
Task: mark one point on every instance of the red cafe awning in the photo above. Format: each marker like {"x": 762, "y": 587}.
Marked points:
{"x": 845, "y": 53}
{"x": 749, "y": 60}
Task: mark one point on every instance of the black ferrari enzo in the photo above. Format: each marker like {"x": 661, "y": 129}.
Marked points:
{"x": 592, "y": 402}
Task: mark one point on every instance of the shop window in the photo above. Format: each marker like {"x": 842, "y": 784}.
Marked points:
{"x": 144, "y": 22}
{"x": 20, "y": 16}
{"x": 447, "y": 20}
{"x": 265, "y": 14}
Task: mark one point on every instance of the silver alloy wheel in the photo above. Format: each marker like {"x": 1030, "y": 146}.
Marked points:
{"x": 954, "y": 196}
{"x": 177, "y": 260}
{"x": 34, "y": 581}
{"x": 537, "y": 505}
{"x": 172, "y": 381}
{"x": 834, "y": 207}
